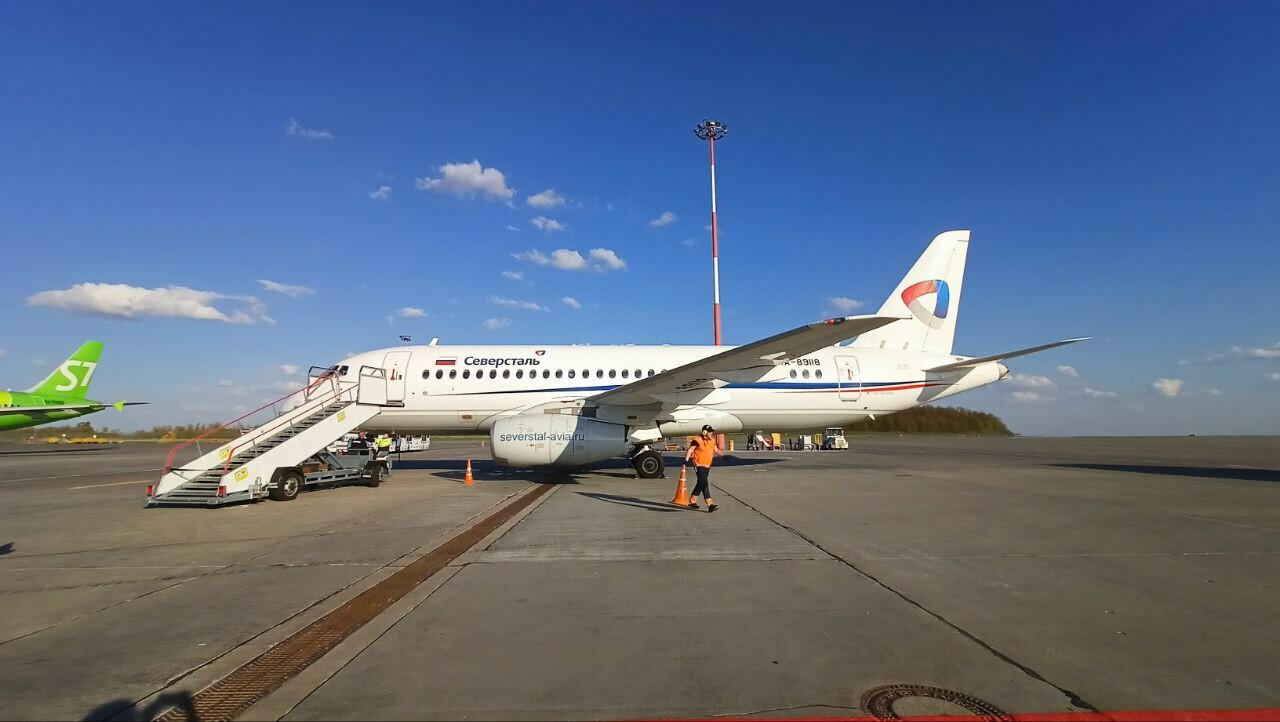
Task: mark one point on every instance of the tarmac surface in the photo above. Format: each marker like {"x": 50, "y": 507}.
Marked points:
{"x": 1037, "y": 575}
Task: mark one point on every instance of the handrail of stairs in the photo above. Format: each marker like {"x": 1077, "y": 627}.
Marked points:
{"x": 329, "y": 374}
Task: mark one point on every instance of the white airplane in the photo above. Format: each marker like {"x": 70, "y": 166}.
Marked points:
{"x": 578, "y": 405}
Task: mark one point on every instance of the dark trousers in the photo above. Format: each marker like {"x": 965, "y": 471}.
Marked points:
{"x": 703, "y": 486}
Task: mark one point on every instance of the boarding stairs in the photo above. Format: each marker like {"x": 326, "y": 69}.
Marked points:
{"x": 329, "y": 406}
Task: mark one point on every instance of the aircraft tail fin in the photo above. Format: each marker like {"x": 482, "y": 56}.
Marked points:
{"x": 930, "y": 295}
{"x": 71, "y": 379}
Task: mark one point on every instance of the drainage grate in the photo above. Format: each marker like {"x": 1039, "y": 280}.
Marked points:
{"x": 878, "y": 701}
{"x": 233, "y": 694}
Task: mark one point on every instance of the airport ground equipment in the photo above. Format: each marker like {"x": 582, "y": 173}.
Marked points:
{"x": 833, "y": 438}
{"x": 324, "y": 468}
{"x": 332, "y": 404}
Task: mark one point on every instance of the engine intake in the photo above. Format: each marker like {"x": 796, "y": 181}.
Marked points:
{"x": 555, "y": 440}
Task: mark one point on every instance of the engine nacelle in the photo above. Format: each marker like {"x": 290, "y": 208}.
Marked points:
{"x": 555, "y": 440}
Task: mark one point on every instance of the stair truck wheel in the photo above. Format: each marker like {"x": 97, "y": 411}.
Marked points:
{"x": 288, "y": 485}
{"x": 648, "y": 465}
{"x": 375, "y": 474}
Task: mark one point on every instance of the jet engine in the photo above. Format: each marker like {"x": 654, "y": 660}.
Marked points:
{"x": 555, "y": 440}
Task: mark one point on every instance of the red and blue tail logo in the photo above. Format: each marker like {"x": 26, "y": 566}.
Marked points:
{"x": 914, "y": 294}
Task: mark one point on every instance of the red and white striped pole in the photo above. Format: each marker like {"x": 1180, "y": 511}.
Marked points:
{"x": 713, "y": 130}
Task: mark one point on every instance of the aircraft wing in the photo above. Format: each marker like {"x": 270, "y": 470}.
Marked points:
{"x": 763, "y": 354}
{"x": 46, "y": 409}
{"x": 970, "y": 363}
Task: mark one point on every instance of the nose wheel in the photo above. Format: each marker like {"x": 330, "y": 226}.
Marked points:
{"x": 648, "y": 465}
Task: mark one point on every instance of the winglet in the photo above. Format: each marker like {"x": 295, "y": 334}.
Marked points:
{"x": 970, "y": 363}
{"x": 121, "y": 404}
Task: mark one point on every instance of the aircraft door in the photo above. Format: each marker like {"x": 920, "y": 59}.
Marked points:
{"x": 848, "y": 377}
{"x": 397, "y": 365}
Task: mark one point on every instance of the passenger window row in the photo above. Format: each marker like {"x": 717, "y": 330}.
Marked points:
{"x": 546, "y": 374}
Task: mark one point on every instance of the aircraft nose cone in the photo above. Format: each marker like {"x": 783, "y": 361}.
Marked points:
{"x": 1004, "y": 370}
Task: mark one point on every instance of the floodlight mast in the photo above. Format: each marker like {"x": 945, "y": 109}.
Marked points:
{"x": 711, "y": 131}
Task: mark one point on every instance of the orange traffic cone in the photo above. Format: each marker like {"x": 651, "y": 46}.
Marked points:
{"x": 468, "y": 479}
{"x": 682, "y": 491}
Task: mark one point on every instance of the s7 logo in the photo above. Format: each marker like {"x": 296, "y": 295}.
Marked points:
{"x": 72, "y": 379}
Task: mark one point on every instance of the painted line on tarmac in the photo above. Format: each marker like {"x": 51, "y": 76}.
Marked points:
{"x": 99, "y": 486}
{"x": 104, "y": 472}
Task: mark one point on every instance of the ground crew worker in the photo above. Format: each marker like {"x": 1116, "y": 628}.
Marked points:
{"x": 360, "y": 443}
{"x": 384, "y": 449}
{"x": 702, "y": 449}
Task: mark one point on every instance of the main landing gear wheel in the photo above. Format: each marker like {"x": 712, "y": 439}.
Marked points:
{"x": 287, "y": 487}
{"x": 648, "y": 464}
{"x": 375, "y": 475}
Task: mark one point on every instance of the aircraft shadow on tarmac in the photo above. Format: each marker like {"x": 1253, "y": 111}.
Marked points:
{"x": 6, "y": 548}
{"x": 125, "y": 711}
{"x": 1207, "y": 472}
{"x": 485, "y": 469}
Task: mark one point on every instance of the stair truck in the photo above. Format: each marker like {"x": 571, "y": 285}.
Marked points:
{"x": 280, "y": 458}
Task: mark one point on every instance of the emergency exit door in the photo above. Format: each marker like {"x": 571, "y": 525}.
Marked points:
{"x": 848, "y": 378}
{"x": 397, "y": 365}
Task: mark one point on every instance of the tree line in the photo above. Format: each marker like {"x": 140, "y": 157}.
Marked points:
{"x": 934, "y": 420}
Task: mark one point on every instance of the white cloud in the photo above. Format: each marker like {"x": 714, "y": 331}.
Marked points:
{"x": 1240, "y": 352}
{"x": 286, "y": 289}
{"x": 1270, "y": 352}
{"x": 569, "y": 301}
{"x": 1095, "y": 393}
{"x": 514, "y": 275}
{"x": 689, "y": 242}
{"x": 1029, "y": 381}
{"x": 666, "y": 219}
{"x": 512, "y": 303}
{"x": 1027, "y": 396}
{"x": 1214, "y": 392}
{"x": 226, "y": 383}
{"x": 120, "y": 300}
{"x": 1167, "y": 387}
{"x": 289, "y": 369}
{"x": 550, "y": 225}
{"x": 297, "y": 130}
{"x": 546, "y": 199}
{"x": 512, "y": 228}
{"x": 606, "y": 260}
{"x": 383, "y": 193}
{"x": 844, "y": 305}
{"x": 468, "y": 179}
{"x": 599, "y": 259}
{"x": 411, "y": 312}
{"x": 1274, "y": 376}
{"x": 496, "y": 324}
{"x": 2, "y": 353}
{"x": 1068, "y": 371}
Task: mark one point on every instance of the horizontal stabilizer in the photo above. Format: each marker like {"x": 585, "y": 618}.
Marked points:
{"x": 121, "y": 404}
{"x": 970, "y": 363}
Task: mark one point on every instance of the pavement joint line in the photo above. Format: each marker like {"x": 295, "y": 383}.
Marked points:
{"x": 1073, "y": 697}
{"x": 236, "y": 692}
{"x": 481, "y": 547}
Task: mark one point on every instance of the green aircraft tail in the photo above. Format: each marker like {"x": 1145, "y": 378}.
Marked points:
{"x": 71, "y": 379}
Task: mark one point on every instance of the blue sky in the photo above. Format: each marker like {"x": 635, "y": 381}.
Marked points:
{"x": 1116, "y": 162}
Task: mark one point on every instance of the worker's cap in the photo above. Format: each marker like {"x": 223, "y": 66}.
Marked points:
{"x": 707, "y": 427}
